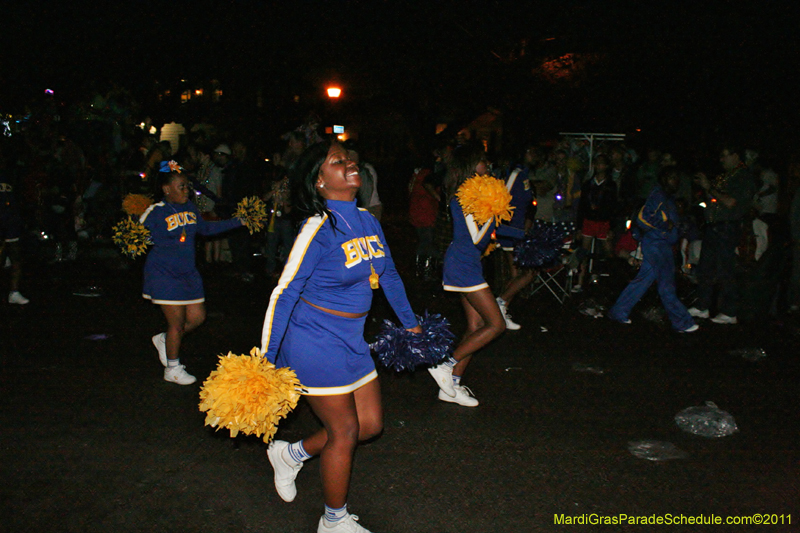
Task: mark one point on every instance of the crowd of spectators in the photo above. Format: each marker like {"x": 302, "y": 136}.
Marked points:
{"x": 68, "y": 174}
{"x": 601, "y": 188}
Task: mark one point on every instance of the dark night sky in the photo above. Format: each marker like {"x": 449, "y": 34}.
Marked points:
{"x": 669, "y": 65}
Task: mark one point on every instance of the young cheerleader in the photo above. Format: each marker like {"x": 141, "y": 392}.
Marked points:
{"x": 315, "y": 326}
{"x": 463, "y": 273}
{"x": 171, "y": 279}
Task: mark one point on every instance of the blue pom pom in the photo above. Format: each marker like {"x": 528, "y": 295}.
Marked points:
{"x": 399, "y": 349}
{"x": 542, "y": 248}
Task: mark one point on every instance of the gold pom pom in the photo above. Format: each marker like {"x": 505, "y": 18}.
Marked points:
{"x": 136, "y": 204}
{"x": 485, "y": 198}
{"x": 131, "y": 236}
{"x": 247, "y": 394}
{"x": 253, "y": 212}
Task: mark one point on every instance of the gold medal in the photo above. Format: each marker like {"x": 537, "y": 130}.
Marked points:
{"x": 183, "y": 235}
{"x": 373, "y": 278}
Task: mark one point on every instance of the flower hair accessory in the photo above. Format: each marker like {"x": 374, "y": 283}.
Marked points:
{"x": 170, "y": 166}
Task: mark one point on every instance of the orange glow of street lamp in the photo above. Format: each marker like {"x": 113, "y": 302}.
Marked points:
{"x": 334, "y": 92}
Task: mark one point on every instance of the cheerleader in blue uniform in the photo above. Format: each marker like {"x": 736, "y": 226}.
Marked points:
{"x": 315, "y": 325}
{"x": 171, "y": 279}
{"x": 518, "y": 184}
{"x": 463, "y": 273}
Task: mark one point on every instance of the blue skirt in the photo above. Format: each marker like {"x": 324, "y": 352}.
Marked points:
{"x": 462, "y": 272}
{"x": 327, "y": 352}
{"x": 165, "y": 286}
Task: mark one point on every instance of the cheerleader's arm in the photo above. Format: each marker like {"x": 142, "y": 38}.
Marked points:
{"x": 205, "y": 227}
{"x": 302, "y": 261}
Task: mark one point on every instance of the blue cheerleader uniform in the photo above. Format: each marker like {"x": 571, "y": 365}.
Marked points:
{"x": 463, "y": 271}
{"x": 170, "y": 272}
{"x": 330, "y": 268}
{"x": 519, "y": 187}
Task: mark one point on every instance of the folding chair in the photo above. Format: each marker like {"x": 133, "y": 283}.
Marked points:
{"x": 556, "y": 279}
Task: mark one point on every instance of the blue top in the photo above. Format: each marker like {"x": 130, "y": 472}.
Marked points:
{"x": 331, "y": 267}
{"x": 655, "y": 217}
{"x": 167, "y": 222}
{"x": 469, "y": 239}
{"x": 521, "y": 196}
{"x": 519, "y": 187}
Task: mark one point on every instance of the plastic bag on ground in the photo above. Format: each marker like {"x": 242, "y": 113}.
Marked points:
{"x": 707, "y": 421}
{"x": 655, "y": 450}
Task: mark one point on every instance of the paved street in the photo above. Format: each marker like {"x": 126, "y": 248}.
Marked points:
{"x": 93, "y": 439}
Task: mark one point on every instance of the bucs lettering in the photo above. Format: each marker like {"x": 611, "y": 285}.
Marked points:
{"x": 180, "y": 219}
{"x": 363, "y": 248}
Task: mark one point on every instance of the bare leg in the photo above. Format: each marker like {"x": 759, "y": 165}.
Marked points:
{"x": 484, "y": 324}
{"x": 181, "y": 319}
{"x": 347, "y": 419}
{"x": 516, "y": 284}
{"x": 519, "y": 279}
{"x": 586, "y": 244}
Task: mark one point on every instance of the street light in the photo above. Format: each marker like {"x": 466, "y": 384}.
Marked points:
{"x": 334, "y": 92}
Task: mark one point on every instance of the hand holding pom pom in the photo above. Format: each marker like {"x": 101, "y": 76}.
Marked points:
{"x": 485, "y": 198}
{"x": 400, "y": 349}
{"x": 131, "y": 236}
{"x": 248, "y": 394}
{"x": 253, "y": 212}
{"x": 542, "y": 248}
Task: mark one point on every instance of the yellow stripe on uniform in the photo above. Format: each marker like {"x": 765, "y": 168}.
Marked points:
{"x": 344, "y": 389}
{"x": 148, "y": 210}
{"x": 299, "y": 249}
{"x": 474, "y": 232}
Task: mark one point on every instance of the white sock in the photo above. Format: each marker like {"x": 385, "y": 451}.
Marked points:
{"x": 332, "y": 516}
{"x": 295, "y": 453}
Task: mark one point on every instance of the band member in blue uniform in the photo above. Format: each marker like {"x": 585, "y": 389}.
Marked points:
{"x": 463, "y": 273}
{"x": 171, "y": 279}
{"x": 315, "y": 325}
{"x": 657, "y": 223}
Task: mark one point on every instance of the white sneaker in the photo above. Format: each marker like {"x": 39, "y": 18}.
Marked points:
{"x": 697, "y": 313}
{"x": 179, "y": 375}
{"x": 160, "y": 342}
{"x": 15, "y": 297}
{"x": 345, "y": 525}
{"x": 510, "y": 324}
{"x": 463, "y": 397}
{"x": 724, "y": 319}
{"x": 284, "y": 472}
{"x": 690, "y": 329}
{"x": 443, "y": 375}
